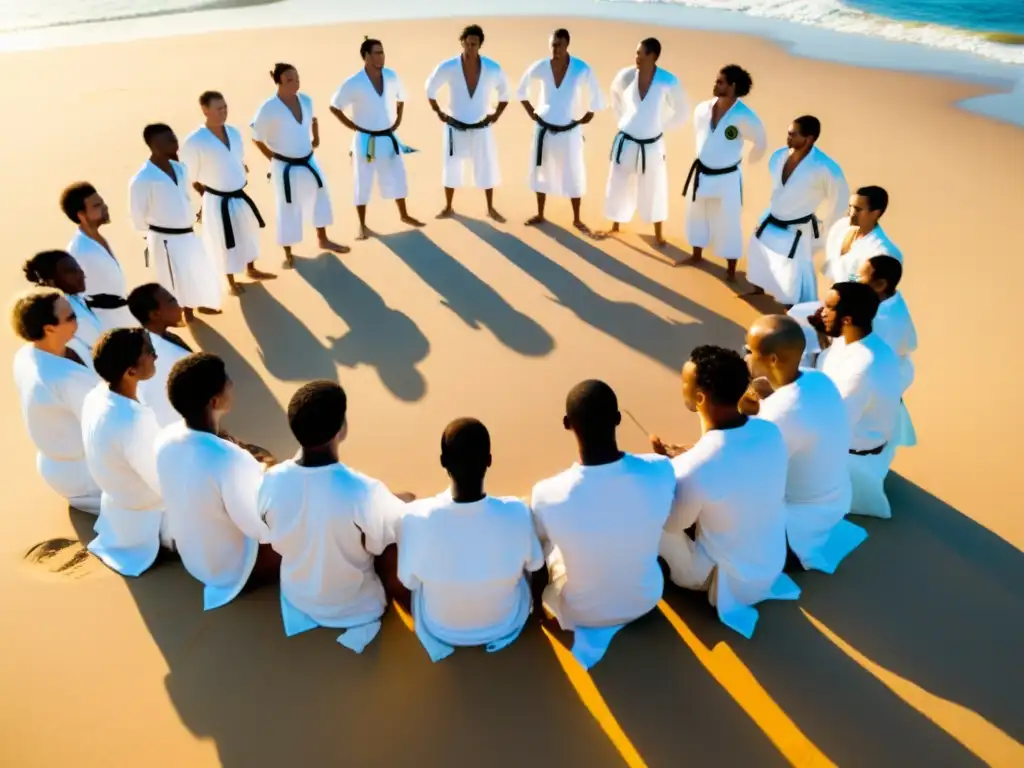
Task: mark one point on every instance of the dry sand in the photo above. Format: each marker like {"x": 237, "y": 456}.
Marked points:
{"x": 910, "y": 655}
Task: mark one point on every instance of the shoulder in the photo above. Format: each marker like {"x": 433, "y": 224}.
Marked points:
{"x": 779, "y": 154}
{"x": 648, "y": 463}
{"x": 827, "y": 162}
{"x": 489, "y": 63}
{"x": 667, "y": 77}
{"x": 305, "y": 98}
{"x": 141, "y": 175}
{"x": 196, "y": 136}
{"x": 764, "y": 431}
{"x": 703, "y": 106}
{"x": 625, "y": 75}
{"x": 390, "y": 74}
{"x": 267, "y": 106}
{"x": 553, "y": 489}
{"x": 511, "y": 506}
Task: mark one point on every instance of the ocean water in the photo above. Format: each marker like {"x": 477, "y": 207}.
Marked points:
{"x": 962, "y": 25}
{"x": 39, "y": 14}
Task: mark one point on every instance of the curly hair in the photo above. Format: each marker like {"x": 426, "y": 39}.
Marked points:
{"x": 739, "y": 78}
{"x": 316, "y": 412}
{"x": 722, "y": 375}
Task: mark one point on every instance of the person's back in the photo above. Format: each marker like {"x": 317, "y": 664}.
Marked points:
{"x": 867, "y": 373}
{"x": 738, "y": 477}
{"x": 317, "y": 518}
{"x": 811, "y": 415}
{"x": 469, "y": 560}
{"x": 606, "y": 521}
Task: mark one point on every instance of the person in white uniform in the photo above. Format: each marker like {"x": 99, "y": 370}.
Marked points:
{"x": 867, "y": 372}
{"x": 334, "y": 527}
{"x": 557, "y": 163}
{"x": 714, "y": 183}
{"x": 52, "y": 382}
{"x": 466, "y": 137}
{"x": 377, "y": 99}
{"x": 57, "y": 269}
{"x": 160, "y": 207}
{"x": 647, "y": 101}
{"x": 466, "y": 556}
{"x": 210, "y": 486}
{"x": 730, "y": 491}
{"x": 600, "y": 522}
{"x": 158, "y": 311}
{"x": 807, "y": 408}
{"x": 214, "y": 154}
{"x": 108, "y": 288}
{"x": 120, "y": 434}
{"x": 855, "y": 239}
{"x": 780, "y": 254}
{"x": 285, "y": 131}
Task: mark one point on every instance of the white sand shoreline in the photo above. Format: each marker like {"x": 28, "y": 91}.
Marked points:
{"x": 1006, "y": 105}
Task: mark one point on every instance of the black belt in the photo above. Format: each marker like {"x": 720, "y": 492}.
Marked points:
{"x": 698, "y": 169}
{"x": 291, "y": 162}
{"x": 622, "y": 137}
{"x": 225, "y": 211}
{"x": 786, "y": 224}
{"x": 872, "y": 452}
{"x": 389, "y": 133}
{"x": 170, "y": 230}
{"x": 543, "y": 129}
{"x": 458, "y": 125}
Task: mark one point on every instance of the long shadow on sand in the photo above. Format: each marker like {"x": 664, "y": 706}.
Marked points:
{"x": 256, "y": 415}
{"x": 475, "y": 302}
{"x": 931, "y": 596}
{"x": 665, "y": 341}
{"x": 378, "y": 336}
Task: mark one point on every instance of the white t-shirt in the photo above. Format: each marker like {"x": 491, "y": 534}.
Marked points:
{"x": 317, "y": 517}
{"x": 604, "y": 523}
{"x": 470, "y": 561}
{"x": 732, "y": 483}
{"x": 867, "y": 374}
{"x": 210, "y": 488}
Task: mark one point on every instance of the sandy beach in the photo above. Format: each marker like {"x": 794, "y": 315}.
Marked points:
{"x": 909, "y": 655}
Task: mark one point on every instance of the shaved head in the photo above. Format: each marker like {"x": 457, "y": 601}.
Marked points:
{"x": 775, "y": 344}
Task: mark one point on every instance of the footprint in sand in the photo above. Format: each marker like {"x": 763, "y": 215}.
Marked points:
{"x": 64, "y": 557}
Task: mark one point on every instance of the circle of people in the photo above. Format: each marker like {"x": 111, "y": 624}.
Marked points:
{"x": 126, "y": 419}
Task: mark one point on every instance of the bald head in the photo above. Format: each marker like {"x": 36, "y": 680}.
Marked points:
{"x": 776, "y": 344}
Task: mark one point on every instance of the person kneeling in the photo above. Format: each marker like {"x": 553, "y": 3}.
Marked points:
{"x": 732, "y": 485}
{"x": 210, "y": 486}
{"x": 331, "y": 525}
{"x": 465, "y": 555}
{"x": 119, "y": 434}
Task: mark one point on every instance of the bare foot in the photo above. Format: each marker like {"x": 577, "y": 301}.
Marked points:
{"x": 209, "y": 311}
{"x": 446, "y": 213}
{"x": 407, "y": 219}
{"x": 364, "y": 233}
{"x": 609, "y": 232}
{"x": 190, "y": 315}
{"x": 730, "y": 277}
{"x": 289, "y": 262}
{"x": 692, "y": 261}
{"x": 259, "y": 274}
{"x": 492, "y": 213}
{"x": 661, "y": 242}
{"x": 330, "y": 245}
{"x": 236, "y": 290}
{"x": 754, "y": 292}
{"x": 533, "y": 221}
{"x": 579, "y": 225}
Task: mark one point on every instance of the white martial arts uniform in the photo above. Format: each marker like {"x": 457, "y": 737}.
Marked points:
{"x": 52, "y": 390}
{"x": 840, "y": 267}
{"x": 714, "y": 199}
{"x": 732, "y": 484}
{"x": 867, "y": 374}
{"x": 781, "y": 258}
{"x": 812, "y": 418}
{"x": 120, "y": 448}
{"x": 103, "y": 274}
{"x": 153, "y": 392}
{"x": 638, "y": 174}
{"x": 466, "y": 566}
{"x": 221, "y": 168}
{"x": 600, "y": 527}
{"x": 90, "y": 328}
{"x": 379, "y": 156}
{"x": 210, "y": 487}
{"x": 476, "y": 146}
{"x": 557, "y": 164}
{"x": 315, "y": 516}
{"x": 182, "y": 265}
{"x": 275, "y": 126}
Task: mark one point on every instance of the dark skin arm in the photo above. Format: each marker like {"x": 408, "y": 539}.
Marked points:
{"x": 533, "y": 115}
{"x": 437, "y": 111}
{"x": 502, "y": 105}
{"x": 264, "y": 149}
{"x": 316, "y": 133}
{"x": 344, "y": 119}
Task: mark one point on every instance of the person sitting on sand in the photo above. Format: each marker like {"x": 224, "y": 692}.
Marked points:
{"x": 600, "y": 522}
{"x": 732, "y": 485}
{"x": 52, "y": 382}
{"x": 120, "y": 434}
{"x": 333, "y": 526}
{"x": 158, "y": 311}
{"x": 465, "y": 555}
{"x": 210, "y": 485}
